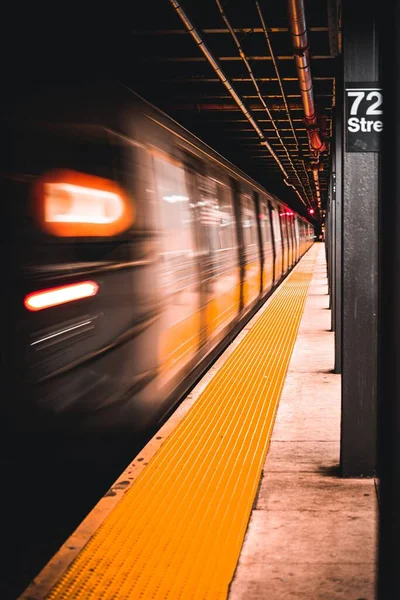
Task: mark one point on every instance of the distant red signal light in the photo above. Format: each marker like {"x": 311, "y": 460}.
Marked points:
{"x": 311, "y": 211}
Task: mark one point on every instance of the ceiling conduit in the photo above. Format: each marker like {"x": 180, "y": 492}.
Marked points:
{"x": 260, "y": 96}
{"x": 214, "y": 64}
{"x": 298, "y": 28}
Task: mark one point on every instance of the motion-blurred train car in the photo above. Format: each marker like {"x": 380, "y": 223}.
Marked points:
{"x": 132, "y": 254}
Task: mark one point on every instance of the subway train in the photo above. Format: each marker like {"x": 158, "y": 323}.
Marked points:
{"x": 133, "y": 253}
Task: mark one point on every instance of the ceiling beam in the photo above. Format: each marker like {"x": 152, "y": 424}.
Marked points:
{"x": 194, "y": 97}
{"x": 199, "y": 106}
{"x": 152, "y": 32}
{"x": 215, "y": 120}
{"x": 200, "y": 79}
{"x": 190, "y": 59}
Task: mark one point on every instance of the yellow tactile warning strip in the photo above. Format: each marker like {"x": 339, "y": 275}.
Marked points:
{"x": 178, "y": 531}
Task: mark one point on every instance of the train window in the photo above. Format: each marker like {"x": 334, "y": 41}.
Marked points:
{"x": 276, "y": 225}
{"x": 216, "y": 213}
{"x": 249, "y": 224}
{"x": 296, "y": 230}
{"x": 284, "y": 226}
{"x": 265, "y": 224}
{"x": 174, "y": 209}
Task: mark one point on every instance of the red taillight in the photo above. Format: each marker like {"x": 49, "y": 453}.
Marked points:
{"x": 60, "y": 295}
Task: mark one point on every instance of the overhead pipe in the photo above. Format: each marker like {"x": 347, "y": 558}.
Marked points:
{"x": 230, "y": 107}
{"x": 300, "y": 43}
{"x": 218, "y": 70}
{"x": 298, "y": 28}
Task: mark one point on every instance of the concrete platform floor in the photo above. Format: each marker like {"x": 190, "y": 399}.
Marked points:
{"x": 312, "y": 534}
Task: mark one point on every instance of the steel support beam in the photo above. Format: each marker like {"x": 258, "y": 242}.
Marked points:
{"x": 333, "y": 24}
{"x": 332, "y": 242}
{"x": 360, "y": 261}
{"x": 389, "y": 313}
{"x": 337, "y": 148}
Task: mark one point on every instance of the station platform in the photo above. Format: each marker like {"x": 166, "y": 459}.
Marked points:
{"x": 234, "y": 497}
{"x": 312, "y": 534}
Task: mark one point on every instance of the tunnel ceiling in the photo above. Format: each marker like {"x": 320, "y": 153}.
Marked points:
{"x": 147, "y": 46}
{"x": 169, "y": 70}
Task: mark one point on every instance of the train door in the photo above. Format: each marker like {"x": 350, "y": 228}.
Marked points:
{"x": 220, "y": 264}
{"x": 251, "y": 250}
{"x": 285, "y": 242}
{"x": 292, "y": 237}
{"x": 301, "y": 234}
{"x": 179, "y": 270}
{"x": 302, "y": 247}
{"x": 266, "y": 241}
{"x": 305, "y": 237}
{"x": 290, "y": 240}
{"x": 256, "y": 197}
{"x": 296, "y": 237}
{"x": 276, "y": 226}
{"x": 302, "y": 238}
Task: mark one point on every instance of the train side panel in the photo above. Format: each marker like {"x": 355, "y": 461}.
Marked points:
{"x": 204, "y": 246}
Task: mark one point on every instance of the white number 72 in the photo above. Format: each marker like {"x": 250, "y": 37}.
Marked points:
{"x": 371, "y": 110}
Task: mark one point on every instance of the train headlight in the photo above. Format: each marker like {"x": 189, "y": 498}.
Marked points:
{"x": 73, "y": 204}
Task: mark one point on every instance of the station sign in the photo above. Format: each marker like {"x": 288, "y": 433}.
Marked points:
{"x": 364, "y": 121}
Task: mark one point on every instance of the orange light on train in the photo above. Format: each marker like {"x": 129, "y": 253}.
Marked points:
{"x": 73, "y": 204}
{"x": 60, "y": 295}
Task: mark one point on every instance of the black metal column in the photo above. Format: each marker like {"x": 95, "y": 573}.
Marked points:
{"x": 360, "y": 261}
{"x": 328, "y": 249}
{"x": 338, "y": 199}
{"x": 328, "y": 242}
{"x": 389, "y": 313}
{"x": 332, "y": 244}
{"x": 327, "y": 245}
